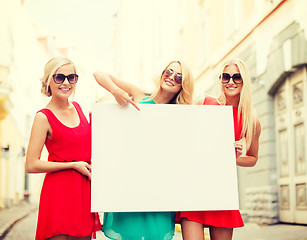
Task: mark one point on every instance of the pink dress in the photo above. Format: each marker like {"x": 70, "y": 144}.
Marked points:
{"x": 65, "y": 197}
{"x": 225, "y": 218}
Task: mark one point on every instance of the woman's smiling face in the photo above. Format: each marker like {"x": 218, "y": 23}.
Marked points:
{"x": 231, "y": 89}
{"x": 64, "y": 89}
{"x": 168, "y": 82}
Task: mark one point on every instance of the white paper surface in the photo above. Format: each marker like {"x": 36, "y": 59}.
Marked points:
{"x": 163, "y": 158}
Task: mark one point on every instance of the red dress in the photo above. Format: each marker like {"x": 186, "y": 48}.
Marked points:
{"x": 65, "y": 197}
{"x": 219, "y": 218}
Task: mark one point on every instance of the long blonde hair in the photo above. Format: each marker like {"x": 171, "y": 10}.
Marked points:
{"x": 185, "y": 96}
{"x": 245, "y": 103}
{"x": 50, "y": 68}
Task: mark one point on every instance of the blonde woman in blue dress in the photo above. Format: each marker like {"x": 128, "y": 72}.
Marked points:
{"x": 175, "y": 86}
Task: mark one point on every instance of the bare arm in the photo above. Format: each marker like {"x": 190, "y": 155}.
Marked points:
{"x": 39, "y": 132}
{"x": 123, "y": 92}
{"x": 251, "y": 157}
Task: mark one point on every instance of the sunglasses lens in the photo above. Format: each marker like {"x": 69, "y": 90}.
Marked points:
{"x": 237, "y": 78}
{"x": 168, "y": 72}
{"x": 178, "y": 79}
{"x": 58, "y": 78}
{"x": 72, "y": 78}
{"x": 225, "y": 77}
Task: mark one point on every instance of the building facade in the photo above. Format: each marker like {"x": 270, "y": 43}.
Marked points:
{"x": 270, "y": 36}
{"x": 25, "y": 49}
{"x": 271, "y": 39}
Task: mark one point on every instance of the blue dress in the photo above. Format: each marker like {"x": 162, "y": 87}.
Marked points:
{"x": 139, "y": 225}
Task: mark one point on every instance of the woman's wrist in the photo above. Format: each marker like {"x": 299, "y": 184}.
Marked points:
{"x": 116, "y": 90}
{"x": 72, "y": 165}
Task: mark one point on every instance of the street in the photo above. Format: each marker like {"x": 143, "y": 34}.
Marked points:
{"x": 24, "y": 229}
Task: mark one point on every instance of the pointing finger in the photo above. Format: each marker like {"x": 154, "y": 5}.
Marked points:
{"x": 134, "y": 104}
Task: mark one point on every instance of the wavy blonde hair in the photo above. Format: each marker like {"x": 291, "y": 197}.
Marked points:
{"x": 185, "y": 96}
{"x": 50, "y": 68}
{"x": 245, "y": 103}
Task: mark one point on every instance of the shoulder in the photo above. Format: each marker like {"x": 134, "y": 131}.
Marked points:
{"x": 208, "y": 100}
{"x": 41, "y": 120}
{"x": 139, "y": 93}
{"x": 41, "y": 116}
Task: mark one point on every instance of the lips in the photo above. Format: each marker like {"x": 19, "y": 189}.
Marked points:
{"x": 169, "y": 83}
{"x": 64, "y": 89}
{"x": 231, "y": 87}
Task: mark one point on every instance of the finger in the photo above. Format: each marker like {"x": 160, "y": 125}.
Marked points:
{"x": 89, "y": 168}
{"x": 134, "y": 104}
{"x": 120, "y": 101}
{"x": 238, "y": 145}
{"x": 88, "y": 173}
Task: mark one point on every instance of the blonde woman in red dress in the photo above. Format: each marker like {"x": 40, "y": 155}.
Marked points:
{"x": 235, "y": 91}
{"x": 64, "y": 209}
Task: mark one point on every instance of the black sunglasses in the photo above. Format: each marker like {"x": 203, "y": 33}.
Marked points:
{"x": 60, "y": 78}
{"x": 169, "y": 72}
{"x": 236, "y": 78}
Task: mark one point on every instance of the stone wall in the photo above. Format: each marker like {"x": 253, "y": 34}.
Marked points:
{"x": 262, "y": 205}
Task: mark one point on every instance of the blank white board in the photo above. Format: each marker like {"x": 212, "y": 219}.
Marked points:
{"x": 163, "y": 158}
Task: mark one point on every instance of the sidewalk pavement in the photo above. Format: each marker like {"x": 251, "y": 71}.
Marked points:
{"x": 251, "y": 231}
{"x": 10, "y": 216}
{"x": 281, "y": 231}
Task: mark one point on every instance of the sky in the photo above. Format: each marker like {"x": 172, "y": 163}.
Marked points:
{"x": 85, "y": 25}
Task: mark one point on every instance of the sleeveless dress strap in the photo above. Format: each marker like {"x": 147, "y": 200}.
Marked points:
{"x": 80, "y": 112}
